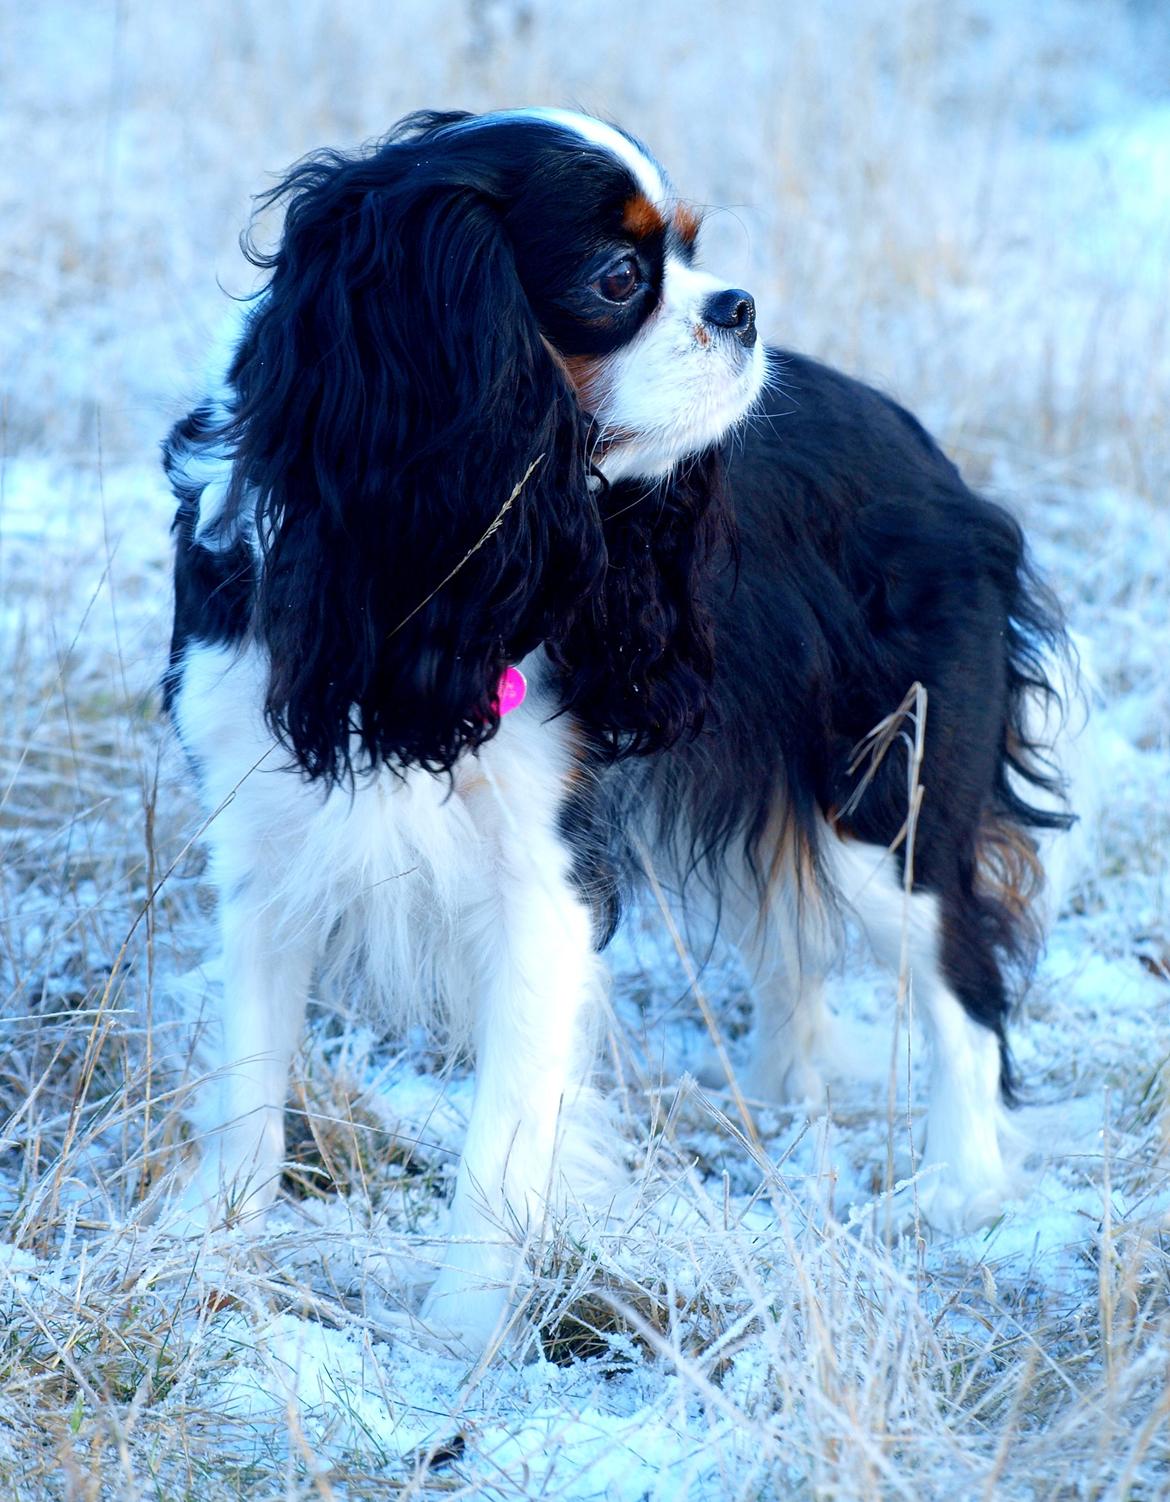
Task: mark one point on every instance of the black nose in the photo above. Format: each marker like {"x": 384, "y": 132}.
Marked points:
{"x": 733, "y": 309}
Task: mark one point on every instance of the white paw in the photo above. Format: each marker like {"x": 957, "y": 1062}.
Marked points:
{"x": 709, "y": 1071}
{"x": 957, "y": 1207}
{"x": 797, "y": 1083}
{"x": 779, "y": 1082}
{"x": 210, "y": 1201}
{"x": 464, "y": 1316}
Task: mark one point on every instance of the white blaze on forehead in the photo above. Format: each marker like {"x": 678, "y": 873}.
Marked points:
{"x": 646, "y": 172}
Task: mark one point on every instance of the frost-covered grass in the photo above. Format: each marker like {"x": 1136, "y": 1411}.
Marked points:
{"x": 968, "y": 206}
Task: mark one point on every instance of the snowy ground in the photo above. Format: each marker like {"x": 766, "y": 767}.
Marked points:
{"x": 970, "y": 207}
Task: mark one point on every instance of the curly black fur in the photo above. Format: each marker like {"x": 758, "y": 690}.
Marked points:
{"x": 393, "y": 390}
{"x": 638, "y": 659}
{"x": 393, "y": 386}
{"x": 866, "y": 565}
{"x": 759, "y": 611}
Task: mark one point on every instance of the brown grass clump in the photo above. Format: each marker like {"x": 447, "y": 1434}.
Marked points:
{"x": 934, "y": 197}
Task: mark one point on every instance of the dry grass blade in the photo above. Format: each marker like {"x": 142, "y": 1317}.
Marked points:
{"x": 718, "y": 1333}
{"x": 471, "y": 552}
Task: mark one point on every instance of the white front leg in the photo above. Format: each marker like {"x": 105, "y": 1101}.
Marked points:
{"x": 266, "y": 983}
{"x": 531, "y": 956}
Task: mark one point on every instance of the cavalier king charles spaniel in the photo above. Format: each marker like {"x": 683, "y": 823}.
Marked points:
{"x": 491, "y": 592}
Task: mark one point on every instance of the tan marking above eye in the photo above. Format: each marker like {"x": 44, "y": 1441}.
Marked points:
{"x": 686, "y": 222}
{"x": 640, "y": 218}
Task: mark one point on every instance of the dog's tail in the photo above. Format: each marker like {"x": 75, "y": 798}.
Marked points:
{"x": 1068, "y": 728}
{"x": 1038, "y": 844}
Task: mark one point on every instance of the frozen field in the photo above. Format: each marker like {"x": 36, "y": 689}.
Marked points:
{"x": 970, "y": 208}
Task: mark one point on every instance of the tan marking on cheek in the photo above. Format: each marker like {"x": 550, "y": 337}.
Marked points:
{"x": 702, "y": 337}
{"x": 686, "y": 222}
{"x": 584, "y": 372}
{"x": 641, "y": 219}
{"x": 586, "y": 375}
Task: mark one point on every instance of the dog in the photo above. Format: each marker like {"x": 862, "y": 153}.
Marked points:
{"x": 508, "y": 562}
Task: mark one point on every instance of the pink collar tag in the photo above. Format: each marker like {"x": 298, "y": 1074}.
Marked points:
{"x": 510, "y": 690}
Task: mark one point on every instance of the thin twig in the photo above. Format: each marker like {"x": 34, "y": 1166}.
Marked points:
{"x": 471, "y": 552}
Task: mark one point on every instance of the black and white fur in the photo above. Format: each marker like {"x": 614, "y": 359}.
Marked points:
{"x": 480, "y": 414}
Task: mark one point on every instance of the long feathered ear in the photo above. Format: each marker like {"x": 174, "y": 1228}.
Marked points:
{"x": 639, "y": 656}
{"x": 414, "y": 459}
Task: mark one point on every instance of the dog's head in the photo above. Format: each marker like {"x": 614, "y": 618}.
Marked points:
{"x": 476, "y": 409}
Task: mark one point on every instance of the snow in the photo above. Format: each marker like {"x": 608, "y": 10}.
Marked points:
{"x": 975, "y": 216}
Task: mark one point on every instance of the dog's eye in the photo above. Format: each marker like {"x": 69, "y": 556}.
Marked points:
{"x": 620, "y": 282}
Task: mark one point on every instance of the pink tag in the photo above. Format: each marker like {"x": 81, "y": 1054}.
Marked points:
{"x": 511, "y": 690}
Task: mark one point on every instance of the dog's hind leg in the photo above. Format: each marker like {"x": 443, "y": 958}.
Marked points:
{"x": 785, "y": 948}
{"x": 953, "y": 982}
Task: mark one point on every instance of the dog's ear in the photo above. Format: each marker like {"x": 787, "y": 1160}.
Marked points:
{"x": 414, "y": 460}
